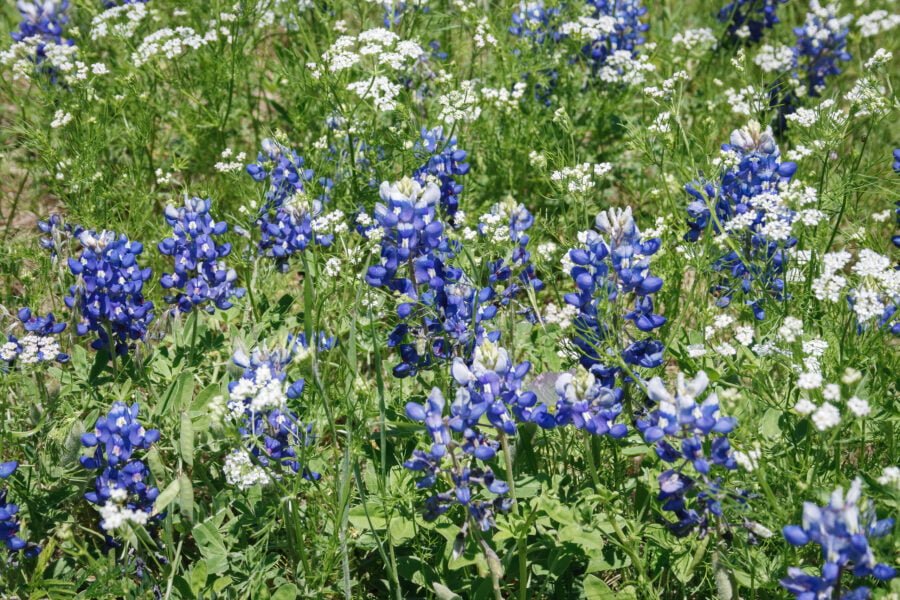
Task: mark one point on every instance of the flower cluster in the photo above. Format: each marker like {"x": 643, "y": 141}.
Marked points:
{"x": 615, "y": 289}
{"x": 751, "y": 215}
{"x": 842, "y": 528}
{"x": 506, "y": 222}
{"x": 9, "y": 523}
{"x": 201, "y": 278}
{"x": 288, "y": 217}
{"x": 258, "y": 405}
{"x": 454, "y": 463}
{"x": 748, "y": 19}
{"x": 619, "y": 32}
{"x": 681, "y": 430}
{"x": 533, "y": 21}
{"x": 821, "y": 43}
{"x": 108, "y": 293}
{"x": 585, "y": 402}
{"x": 440, "y": 308}
{"x": 122, "y": 491}
{"x": 42, "y": 25}
{"x": 39, "y": 345}
{"x": 444, "y": 163}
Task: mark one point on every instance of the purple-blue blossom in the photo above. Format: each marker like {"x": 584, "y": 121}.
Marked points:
{"x": 201, "y": 278}
{"x": 843, "y": 529}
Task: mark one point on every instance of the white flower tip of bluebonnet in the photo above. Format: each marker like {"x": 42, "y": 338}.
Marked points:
{"x": 753, "y": 138}
{"x": 616, "y": 222}
{"x": 410, "y": 190}
{"x": 695, "y": 386}
{"x": 96, "y": 241}
{"x": 657, "y": 391}
{"x": 461, "y": 372}
{"x": 490, "y": 357}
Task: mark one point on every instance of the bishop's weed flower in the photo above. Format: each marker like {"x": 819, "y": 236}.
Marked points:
{"x": 108, "y": 294}
{"x": 122, "y": 491}
{"x": 843, "y": 529}
{"x": 201, "y": 278}
{"x": 39, "y": 344}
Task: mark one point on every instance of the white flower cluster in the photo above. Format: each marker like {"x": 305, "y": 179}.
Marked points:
{"x": 774, "y": 59}
{"x": 263, "y": 392}
{"x": 223, "y": 166}
{"x": 827, "y": 415}
{"x": 483, "y": 36}
{"x": 880, "y": 58}
{"x": 580, "y": 178}
{"x": 661, "y": 123}
{"x": 748, "y": 100}
{"x": 114, "y": 515}
{"x": 60, "y": 119}
{"x": 110, "y": 21}
{"x": 504, "y": 99}
{"x": 242, "y": 473}
{"x": 35, "y": 349}
{"x": 868, "y": 98}
{"x": 562, "y": 316}
{"x": 667, "y": 87}
{"x": 890, "y": 477}
{"x": 60, "y": 59}
{"x": 331, "y": 223}
{"x": 172, "y": 43}
{"x": 749, "y": 460}
{"x": 384, "y": 47}
{"x": 460, "y": 105}
{"x": 875, "y": 282}
{"x": 622, "y": 67}
{"x": 877, "y": 22}
{"x": 702, "y": 39}
{"x": 587, "y": 29}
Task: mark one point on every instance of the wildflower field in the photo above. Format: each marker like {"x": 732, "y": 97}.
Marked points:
{"x": 449, "y": 299}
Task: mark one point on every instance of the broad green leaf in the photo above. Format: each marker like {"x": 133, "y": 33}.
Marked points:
{"x": 444, "y": 593}
{"x": 166, "y": 497}
{"x": 186, "y": 444}
{"x": 287, "y": 591}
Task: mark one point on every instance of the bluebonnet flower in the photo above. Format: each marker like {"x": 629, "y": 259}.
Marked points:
{"x": 687, "y": 434}
{"x": 509, "y": 221}
{"x": 445, "y": 162}
{"x": 454, "y": 466}
{"x": 896, "y": 165}
{"x": 821, "y": 43}
{"x": 9, "y": 523}
{"x": 748, "y": 19}
{"x": 490, "y": 386}
{"x": 39, "y": 344}
{"x": 748, "y": 210}
{"x": 258, "y": 405}
{"x": 122, "y": 490}
{"x": 535, "y": 22}
{"x": 438, "y": 302}
{"x": 615, "y": 288}
{"x": 108, "y": 294}
{"x": 842, "y": 528}
{"x": 41, "y": 26}
{"x": 287, "y": 218}
{"x": 59, "y": 234}
{"x": 201, "y": 277}
{"x": 627, "y": 29}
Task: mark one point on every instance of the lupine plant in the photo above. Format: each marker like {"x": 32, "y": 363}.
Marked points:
{"x": 449, "y": 299}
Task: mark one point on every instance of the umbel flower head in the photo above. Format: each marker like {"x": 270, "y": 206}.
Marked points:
{"x": 39, "y": 344}
{"x": 201, "y": 279}
{"x": 108, "y": 294}
{"x": 122, "y": 490}
{"x": 842, "y": 528}
{"x": 692, "y": 437}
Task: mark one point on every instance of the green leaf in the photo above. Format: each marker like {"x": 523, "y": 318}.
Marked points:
{"x": 186, "y": 445}
{"x": 444, "y": 593}
{"x": 212, "y": 547}
{"x": 186, "y": 496}
{"x": 199, "y": 575}
{"x": 288, "y": 591}
{"x": 768, "y": 425}
{"x": 596, "y": 589}
{"x": 166, "y": 497}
